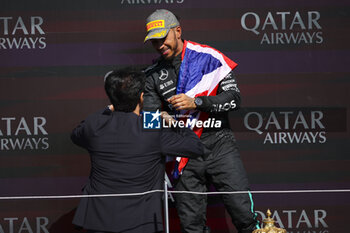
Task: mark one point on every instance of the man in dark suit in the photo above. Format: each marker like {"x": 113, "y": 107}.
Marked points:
{"x": 125, "y": 158}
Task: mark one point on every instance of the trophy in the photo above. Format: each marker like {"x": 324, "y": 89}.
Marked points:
{"x": 269, "y": 226}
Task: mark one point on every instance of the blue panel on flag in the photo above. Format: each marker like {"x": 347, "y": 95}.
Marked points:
{"x": 194, "y": 66}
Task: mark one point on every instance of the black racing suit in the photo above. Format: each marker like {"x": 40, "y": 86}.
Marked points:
{"x": 221, "y": 166}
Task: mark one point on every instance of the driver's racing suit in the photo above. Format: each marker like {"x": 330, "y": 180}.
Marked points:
{"x": 221, "y": 166}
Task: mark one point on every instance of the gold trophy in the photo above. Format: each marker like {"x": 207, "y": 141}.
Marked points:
{"x": 269, "y": 226}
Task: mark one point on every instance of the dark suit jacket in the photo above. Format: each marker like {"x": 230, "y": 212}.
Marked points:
{"x": 125, "y": 158}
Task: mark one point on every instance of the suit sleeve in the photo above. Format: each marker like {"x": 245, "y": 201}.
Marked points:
{"x": 181, "y": 142}
{"x": 151, "y": 100}
{"x": 228, "y": 97}
{"x": 78, "y": 135}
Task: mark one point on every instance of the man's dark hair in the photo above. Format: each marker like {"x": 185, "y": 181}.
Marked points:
{"x": 124, "y": 88}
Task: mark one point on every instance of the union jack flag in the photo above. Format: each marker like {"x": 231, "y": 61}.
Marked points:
{"x": 201, "y": 71}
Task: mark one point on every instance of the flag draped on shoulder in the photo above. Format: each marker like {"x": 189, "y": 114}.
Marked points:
{"x": 201, "y": 71}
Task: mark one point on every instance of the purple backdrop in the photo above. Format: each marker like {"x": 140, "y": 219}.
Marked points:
{"x": 293, "y": 72}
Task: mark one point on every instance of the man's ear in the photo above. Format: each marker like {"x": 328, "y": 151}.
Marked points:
{"x": 141, "y": 98}
{"x": 178, "y": 32}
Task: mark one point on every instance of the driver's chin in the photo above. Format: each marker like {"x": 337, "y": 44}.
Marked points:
{"x": 168, "y": 56}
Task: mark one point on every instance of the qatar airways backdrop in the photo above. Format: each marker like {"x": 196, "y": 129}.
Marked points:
{"x": 292, "y": 130}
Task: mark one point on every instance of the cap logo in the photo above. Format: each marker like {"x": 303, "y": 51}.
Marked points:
{"x": 160, "y": 34}
{"x": 155, "y": 24}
